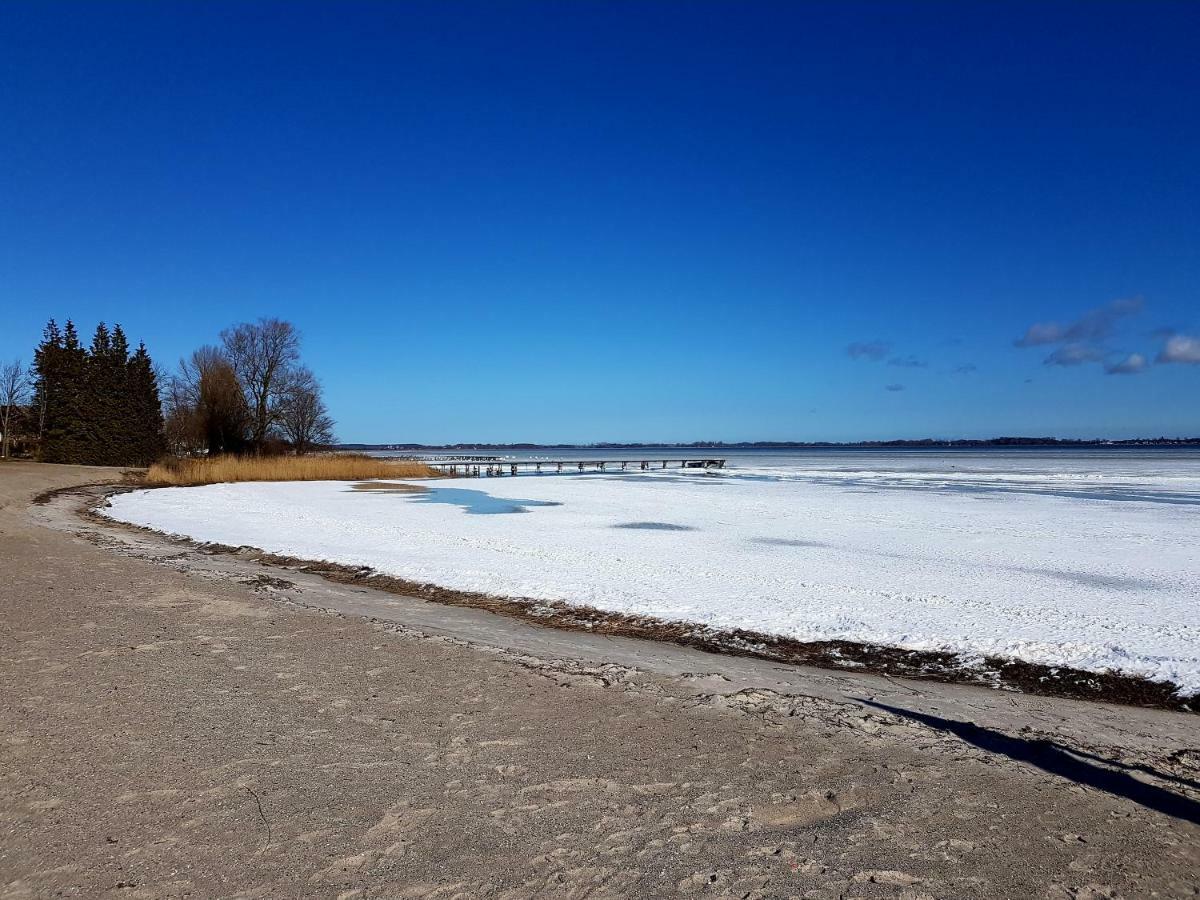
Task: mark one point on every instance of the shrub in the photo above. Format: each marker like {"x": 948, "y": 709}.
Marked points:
{"x": 328, "y": 467}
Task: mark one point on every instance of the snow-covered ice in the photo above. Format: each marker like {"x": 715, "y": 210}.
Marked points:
{"x": 1094, "y": 568}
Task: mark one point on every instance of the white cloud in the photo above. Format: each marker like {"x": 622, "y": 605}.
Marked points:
{"x": 1181, "y": 348}
{"x": 1129, "y": 365}
{"x": 1074, "y": 355}
{"x": 873, "y": 350}
{"x": 1041, "y": 333}
{"x": 1094, "y": 325}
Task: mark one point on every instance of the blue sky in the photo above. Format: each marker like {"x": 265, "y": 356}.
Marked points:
{"x": 628, "y": 221}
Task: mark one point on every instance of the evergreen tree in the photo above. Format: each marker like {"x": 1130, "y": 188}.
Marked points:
{"x": 145, "y": 417}
{"x": 65, "y": 438}
{"x": 106, "y": 399}
{"x": 120, "y": 344}
{"x": 125, "y": 427}
{"x": 46, "y": 361}
{"x": 98, "y": 406}
{"x": 97, "y": 399}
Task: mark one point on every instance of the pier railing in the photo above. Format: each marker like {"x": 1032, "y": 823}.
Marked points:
{"x": 489, "y": 466}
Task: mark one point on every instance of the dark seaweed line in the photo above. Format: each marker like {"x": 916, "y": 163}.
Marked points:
{"x": 994, "y": 672}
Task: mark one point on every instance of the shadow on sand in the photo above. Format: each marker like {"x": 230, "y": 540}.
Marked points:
{"x": 1050, "y": 757}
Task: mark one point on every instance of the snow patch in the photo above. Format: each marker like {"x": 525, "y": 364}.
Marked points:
{"x": 1096, "y": 571}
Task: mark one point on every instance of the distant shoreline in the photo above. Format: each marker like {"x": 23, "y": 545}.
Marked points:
{"x": 925, "y": 443}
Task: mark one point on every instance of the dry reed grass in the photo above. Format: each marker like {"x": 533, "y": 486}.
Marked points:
{"x": 327, "y": 467}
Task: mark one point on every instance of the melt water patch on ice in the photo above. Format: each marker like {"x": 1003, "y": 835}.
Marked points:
{"x": 654, "y": 526}
{"x": 479, "y": 503}
{"x": 1070, "y": 570}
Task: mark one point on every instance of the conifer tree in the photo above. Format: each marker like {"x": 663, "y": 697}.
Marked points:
{"x": 98, "y": 406}
{"x": 65, "y": 438}
{"x": 125, "y": 428}
{"x": 46, "y": 361}
{"x": 145, "y": 416}
{"x": 98, "y": 399}
{"x": 106, "y": 399}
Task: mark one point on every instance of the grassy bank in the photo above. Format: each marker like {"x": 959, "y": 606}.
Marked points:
{"x": 332, "y": 467}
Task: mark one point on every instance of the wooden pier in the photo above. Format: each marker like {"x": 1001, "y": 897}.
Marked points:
{"x": 491, "y": 467}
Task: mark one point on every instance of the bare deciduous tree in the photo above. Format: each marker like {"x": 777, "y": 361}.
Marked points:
{"x": 14, "y": 383}
{"x": 206, "y": 410}
{"x": 302, "y": 414}
{"x": 181, "y": 415}
{"x": 264, "y": 355}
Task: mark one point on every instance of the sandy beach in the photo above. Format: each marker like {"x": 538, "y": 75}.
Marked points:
{"x": 185, "y": 723}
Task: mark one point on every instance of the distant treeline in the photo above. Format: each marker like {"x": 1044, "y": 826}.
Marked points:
{"x": 794, "y": 445}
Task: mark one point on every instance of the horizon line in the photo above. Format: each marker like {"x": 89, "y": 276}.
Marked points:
{"x": 998, "y": 440}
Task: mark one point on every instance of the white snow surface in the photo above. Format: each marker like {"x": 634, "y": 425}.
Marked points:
{"x": 1094, "y": 570}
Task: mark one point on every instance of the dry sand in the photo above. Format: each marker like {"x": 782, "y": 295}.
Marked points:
{"x": 181, "y": 723}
